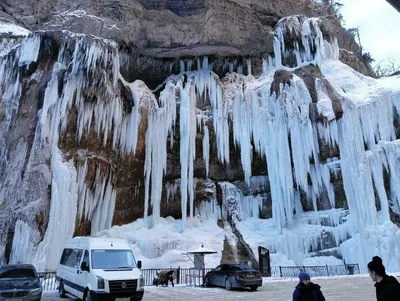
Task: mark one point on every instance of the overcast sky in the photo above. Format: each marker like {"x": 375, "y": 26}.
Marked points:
{"x": 379, "y": 25}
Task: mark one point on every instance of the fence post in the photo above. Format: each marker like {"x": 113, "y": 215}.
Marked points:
{"x": 178, "y": 275}
{"x": 327, "y": 270}
{"x": 280, "y": 271}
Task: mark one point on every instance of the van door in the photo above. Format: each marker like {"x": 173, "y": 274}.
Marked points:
{"x": 72, "y": 259}
{"x": 83, "y": 276}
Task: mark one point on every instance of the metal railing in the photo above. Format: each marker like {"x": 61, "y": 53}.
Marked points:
{"x": 313, "y": 271}
{"x": 190, "y": 276}
{"x": 182, "y": 274}
{"x": 48, "y": 281}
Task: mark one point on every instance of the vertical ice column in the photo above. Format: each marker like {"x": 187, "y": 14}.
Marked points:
{"x": 161, "y": 120}
{"x": 188, "y": 131}
{"x": 24, "y": 243}
{"x": 63, "y": 210}
{"x": 241, "y": 117}
{"x": 206, "y": 147}
{"x": 206, "y": 83}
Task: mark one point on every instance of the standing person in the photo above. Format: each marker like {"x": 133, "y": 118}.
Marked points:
{"x": 387, "y": 287}
{"x": 306, "y": 290}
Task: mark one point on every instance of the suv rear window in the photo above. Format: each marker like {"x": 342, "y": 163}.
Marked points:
{"x": 15, "y": 273}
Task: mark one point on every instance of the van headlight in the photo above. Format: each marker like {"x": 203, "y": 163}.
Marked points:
{"x": 141, "y": 281}
{"x": 100, "y": 283}
{"x": 35, "y": 291}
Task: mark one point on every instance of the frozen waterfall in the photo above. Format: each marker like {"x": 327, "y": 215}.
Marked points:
{"x": 267, "y": 115}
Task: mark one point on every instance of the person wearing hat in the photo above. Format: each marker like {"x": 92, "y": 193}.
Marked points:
{"x": 306, "y": 290}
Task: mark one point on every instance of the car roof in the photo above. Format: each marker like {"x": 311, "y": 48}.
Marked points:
{"x": 242, "y": 266}
{"x": 97, "y": 243}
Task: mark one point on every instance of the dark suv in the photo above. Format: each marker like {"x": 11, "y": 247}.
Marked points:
{"x": 19, "y": 282}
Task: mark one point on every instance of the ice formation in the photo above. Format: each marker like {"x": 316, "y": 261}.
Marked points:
{"x": 276, "y": 125}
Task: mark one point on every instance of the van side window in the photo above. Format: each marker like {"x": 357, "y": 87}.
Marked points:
{"x": 86, "y": 258}
{"x": 66, "y": 253}
{"x": 71, "y": 257}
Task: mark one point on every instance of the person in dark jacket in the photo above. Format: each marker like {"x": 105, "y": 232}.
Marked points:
{"x": 387, "y": 287}
{"x": 306, "y": 290}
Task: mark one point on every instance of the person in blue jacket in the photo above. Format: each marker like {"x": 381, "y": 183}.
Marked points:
{"x": 306, "y": 290}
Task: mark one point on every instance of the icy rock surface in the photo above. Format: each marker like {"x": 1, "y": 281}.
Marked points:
{"x": 199, "y": 117}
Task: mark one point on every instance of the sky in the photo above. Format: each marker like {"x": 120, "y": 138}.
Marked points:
{"x": 379, "y": 25}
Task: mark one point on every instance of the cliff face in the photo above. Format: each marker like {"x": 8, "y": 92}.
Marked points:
{"x": 176, "y": 29}
{"x": 143, "y": 104}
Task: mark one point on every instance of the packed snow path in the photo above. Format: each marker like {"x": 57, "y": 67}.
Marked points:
{"x": 335, "y": 289}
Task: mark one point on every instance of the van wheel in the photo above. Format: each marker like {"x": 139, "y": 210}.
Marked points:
{"x": 88, "y": 296}
{"x": 61, "y": 290}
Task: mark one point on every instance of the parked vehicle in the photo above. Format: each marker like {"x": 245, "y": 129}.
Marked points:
{"x": 233, "y": 276}
{"x": 19, "y": 282}
{"x": 99, "y": 269}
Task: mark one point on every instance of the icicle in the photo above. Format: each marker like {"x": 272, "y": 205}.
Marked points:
{"x": 308, "y": 42}
{"x": 188, "y": 129}
{"x": 206, "y": 148}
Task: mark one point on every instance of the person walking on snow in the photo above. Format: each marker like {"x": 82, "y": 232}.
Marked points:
{"x": 306, "y": 290}
{"x": 387, "y": 287}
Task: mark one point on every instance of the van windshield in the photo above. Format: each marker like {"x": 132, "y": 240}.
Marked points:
{"x": 113, "y": 259}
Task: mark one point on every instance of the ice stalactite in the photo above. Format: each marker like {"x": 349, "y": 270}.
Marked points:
{"x": 161, "y": 122}
{"x": 307, "y": 39}
{"x": 278, "y": 124}
{"x": 206, "y": 148}
{"x": 97, "y": 204}
{"x": 208, "y": 84}
{"x": 187, "y": 88}
{"x": 188, "y": 131}
{"x": 171, "y": 189}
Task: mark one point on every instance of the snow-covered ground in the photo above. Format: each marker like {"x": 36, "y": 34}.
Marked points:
{"x": 355, "y": 288}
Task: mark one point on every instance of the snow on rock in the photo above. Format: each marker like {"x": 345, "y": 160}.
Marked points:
{"x": 12, "y": 29}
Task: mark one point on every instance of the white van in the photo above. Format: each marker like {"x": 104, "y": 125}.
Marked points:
{"x": 99, "y": 269}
